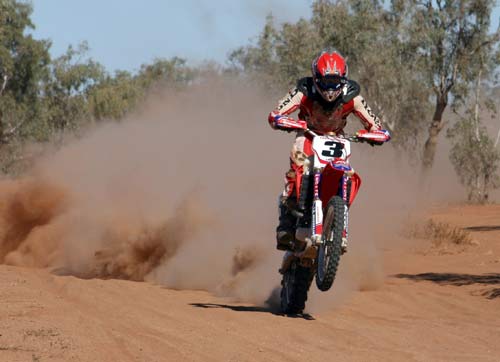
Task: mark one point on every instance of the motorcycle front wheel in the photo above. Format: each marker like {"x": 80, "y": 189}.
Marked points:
{"x": 330, "y": 249}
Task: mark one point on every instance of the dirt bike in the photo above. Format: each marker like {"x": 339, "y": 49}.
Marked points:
{"x": 328, "y": 186}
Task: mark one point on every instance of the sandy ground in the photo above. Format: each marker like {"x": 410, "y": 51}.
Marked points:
{"x": 434, "y": 305}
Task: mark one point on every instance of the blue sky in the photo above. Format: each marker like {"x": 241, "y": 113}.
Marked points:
{"x": 123, "y": 34}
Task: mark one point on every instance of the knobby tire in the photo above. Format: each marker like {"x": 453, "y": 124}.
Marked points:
{"x": 295, "y": 285}
{"x": 330, "y": 251}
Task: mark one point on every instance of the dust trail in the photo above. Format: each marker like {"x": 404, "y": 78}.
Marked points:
{"x": 167, "y": 195}
{"x": 27, "y": 207}
{"x": 184, "y": 194}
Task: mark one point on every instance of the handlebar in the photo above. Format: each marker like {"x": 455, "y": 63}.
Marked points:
{"x": 351, "y": 138}
{"x": 371, "y": 138}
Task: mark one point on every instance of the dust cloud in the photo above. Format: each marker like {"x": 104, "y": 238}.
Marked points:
{"x": 184, "y": 194}
{"x": 168, "y": 195}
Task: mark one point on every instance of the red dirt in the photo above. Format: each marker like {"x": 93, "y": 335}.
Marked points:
{"x": 431, "y": 306}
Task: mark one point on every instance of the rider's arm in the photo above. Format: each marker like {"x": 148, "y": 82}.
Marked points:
{"x": 279, "y": 118}
{"x": 361, "y": 109}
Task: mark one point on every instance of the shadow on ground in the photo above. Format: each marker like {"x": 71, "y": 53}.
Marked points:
{"x": 271, "y": 305}
{"x": 483, "y": 228}
{"x": 492, "y": 294}
{"x": 459, "y": 280}
{"x": 251, "y": 308}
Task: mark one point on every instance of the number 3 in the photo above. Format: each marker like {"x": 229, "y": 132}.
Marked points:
{"x": 335, "y": 149}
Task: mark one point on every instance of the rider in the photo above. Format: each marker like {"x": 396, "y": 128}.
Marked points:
{"x": 324, "y": 101}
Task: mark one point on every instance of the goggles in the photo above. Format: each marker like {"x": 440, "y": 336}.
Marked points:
{"x": 330, "y": 82}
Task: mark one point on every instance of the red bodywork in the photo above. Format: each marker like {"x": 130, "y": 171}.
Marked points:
{"x": 330, "y": 182}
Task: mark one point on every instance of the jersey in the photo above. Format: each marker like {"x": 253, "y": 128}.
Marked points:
{"x": 320, "y": 115}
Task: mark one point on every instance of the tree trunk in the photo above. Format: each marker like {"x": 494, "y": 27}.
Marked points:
{"x": 476, "y": 105}
{"x": 434, "y": 129}
{"x": 2, "y": 128}
{"x": 4, "y": 84}
{"x": 2, "y": 88}
{"x": 486, "y": 186}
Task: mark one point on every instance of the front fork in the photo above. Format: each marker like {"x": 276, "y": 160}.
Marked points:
{"x": 317, "y": 217}
{"x": 317, "y": 209}
{"x": 346, "y": 196}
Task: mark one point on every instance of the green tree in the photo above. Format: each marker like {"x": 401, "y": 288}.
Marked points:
{"x": 115, "y": 96}
{"x": 475, "y": 158}
{"x": 163, "y": 73}
{"x": 474, "y": 155}
{"x": 66, "y": 91}
{"x": 447, "y": 37}
{"x": 23, "y": 67}
{"x": 260, "y": 62}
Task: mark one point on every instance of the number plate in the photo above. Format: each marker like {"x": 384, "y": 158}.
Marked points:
{"x": 327, "y": 148}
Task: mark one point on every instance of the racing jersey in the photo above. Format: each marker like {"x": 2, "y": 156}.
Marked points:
{"x": 320, "y": 115}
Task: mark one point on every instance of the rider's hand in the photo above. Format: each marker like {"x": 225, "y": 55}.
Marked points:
{"x": 361, "y": 132}
{"x": 375, "y": 137}
{"x": 386, "y": 133}
{"x": 289, "y": 124}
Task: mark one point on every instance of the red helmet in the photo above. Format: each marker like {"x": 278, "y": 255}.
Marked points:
{"x": 329, "y": 72}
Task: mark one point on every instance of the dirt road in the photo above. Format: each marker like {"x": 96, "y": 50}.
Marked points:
{"x": 432, "y": 306}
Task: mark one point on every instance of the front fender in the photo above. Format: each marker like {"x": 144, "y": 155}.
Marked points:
{"x": 331, "y": 182}
{"x": 355, "y": 185}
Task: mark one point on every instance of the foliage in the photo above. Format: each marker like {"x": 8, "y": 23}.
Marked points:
{"x": 448, "y": 37}
{"x": 23, "y": 66}
{"x": 261, "y": 61}
{"x": 164, "y": 72}
{"x": 67, "y": 88}
{"x": 114, "y": 96}
{"x": 413, "y": 59}
{"x": 41, "y": 98}
{"x": 475, "y": 159}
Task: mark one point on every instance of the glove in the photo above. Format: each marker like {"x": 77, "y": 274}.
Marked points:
{"x": 374, "y": 138}
{"x": 289, "y": 124}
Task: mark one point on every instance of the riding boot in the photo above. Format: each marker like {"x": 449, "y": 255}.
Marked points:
{"x": 285, "y": 232}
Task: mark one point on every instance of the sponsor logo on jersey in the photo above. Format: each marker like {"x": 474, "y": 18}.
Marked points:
{"x": 288, "y": 99}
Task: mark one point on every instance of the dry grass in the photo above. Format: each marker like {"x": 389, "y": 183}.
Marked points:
{"x": 439, "y": 233}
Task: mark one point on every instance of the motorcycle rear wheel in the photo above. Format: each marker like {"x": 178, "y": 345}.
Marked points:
{"x": 330, "y": 250}
{"x": 295, "y": 285}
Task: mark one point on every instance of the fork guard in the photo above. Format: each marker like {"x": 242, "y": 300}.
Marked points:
{"x": 332, "y": 184}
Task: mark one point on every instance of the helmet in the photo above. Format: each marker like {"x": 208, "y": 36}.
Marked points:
{"x": 329, "y": 71}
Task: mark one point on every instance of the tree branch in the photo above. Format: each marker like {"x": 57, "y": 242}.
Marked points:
{"x": 498, "y": 138}
{"x": 13, "y": 130}
{"x": 5, "y": 136}
{"x": 476, "y": 101}
{"x": 4, "y": 83}
{"x": 495, "y": 38}
{"x": 453, "y": 78}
